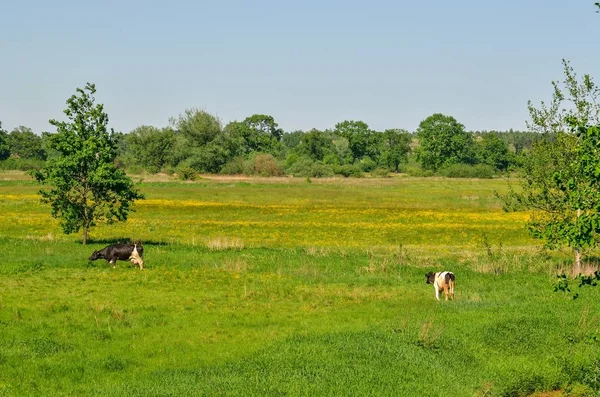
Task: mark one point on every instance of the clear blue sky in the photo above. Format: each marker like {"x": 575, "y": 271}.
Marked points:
{"x": 307, "y": 63}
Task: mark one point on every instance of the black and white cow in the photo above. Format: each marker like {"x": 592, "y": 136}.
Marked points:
{"x": 122, "y": 252}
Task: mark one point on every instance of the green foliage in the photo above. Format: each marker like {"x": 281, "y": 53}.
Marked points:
{"x": 235, "y": 166}
{"x": 395, "y": 148}
{"x": 315, "y": 144}
{"x": 186, "y": 173}
{"x": 493, "y": 151}
{"x": 197, "y": 126}
{"x": 380, "y": 173}
{"x": 442, "y": 142}
{"x": 306, "y": 167}
{"x": 561, "y": 182}
{"x": 4, "y": 146}
{"x": 367, "y": 164}
{"x": 150, "y": 147}
{"x": 362, "y": 141}
{"x": 467, "y": 171}
{"x": 25, "y": 144}
{"x": 259, "y": 133}
{"x": 563, "y": 284}
{"x": 264, "y": 165}
{"x": 349, "y": 170}
{"x": 571, "y": 100}
{"x": 21, "y": 164}
{"x": 85, "y": 187}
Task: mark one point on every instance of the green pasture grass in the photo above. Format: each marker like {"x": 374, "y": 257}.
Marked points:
{"x": 262, "y": 317}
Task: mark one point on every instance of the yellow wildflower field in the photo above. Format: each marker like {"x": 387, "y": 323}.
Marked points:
{"x": 448, "y": 213}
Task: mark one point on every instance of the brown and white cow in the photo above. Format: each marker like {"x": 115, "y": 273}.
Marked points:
{"x": 442, "y": 281}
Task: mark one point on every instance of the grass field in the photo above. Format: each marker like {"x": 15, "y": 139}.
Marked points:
{"x": 285, "y": 287}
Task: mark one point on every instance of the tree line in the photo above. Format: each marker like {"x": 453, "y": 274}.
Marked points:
{"x": 198, "y": 142}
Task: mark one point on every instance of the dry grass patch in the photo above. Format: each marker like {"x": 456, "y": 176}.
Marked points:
{"x": 47, "y": 237}
{"x": 225, "y": 243}
{"x": 234, "y": 266}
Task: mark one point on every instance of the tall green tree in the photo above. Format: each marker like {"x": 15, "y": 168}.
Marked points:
{"x": 198, "y": 126}
{"x": 395, "y": 147}
{"x": 315, "y": 145}
{"x": 561, "y": 181}
{"x": 25, "y": 143}
{"x": 443, "y": 141}
{"x": 260, "y": 133}
{"x": 362, "y": 141}
{"x": 493, "y": 151}
{"x": 150, "y": 147}
{"x": 84, "y": 186}
{"x": 4, "y": 148}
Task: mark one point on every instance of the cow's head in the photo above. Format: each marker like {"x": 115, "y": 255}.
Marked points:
{"x": 95, "y": 255}
{"x": 430, "y": 277}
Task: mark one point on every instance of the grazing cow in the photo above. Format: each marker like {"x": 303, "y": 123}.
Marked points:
{"x": 122, "y": 252}
{"x": 442, "y": 281}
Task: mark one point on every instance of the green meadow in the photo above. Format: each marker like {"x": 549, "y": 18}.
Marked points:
{"x": 289, "y": 286}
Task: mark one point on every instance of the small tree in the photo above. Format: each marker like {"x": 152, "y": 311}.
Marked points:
{"x": 561, "y": 182}
{"x": 85, "y": 187}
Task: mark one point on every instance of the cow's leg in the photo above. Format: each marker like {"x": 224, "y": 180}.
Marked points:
{"x": 446, "y": 291}
{"x": 437, "y": 292}
{"x": 113, "y": 262}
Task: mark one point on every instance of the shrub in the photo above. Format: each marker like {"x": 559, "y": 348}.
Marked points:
{"x": 305, "y": 167}
{"x": 348, "y": 170}
{"x": 300, "y": 167}
{"x": 169, "y": 170}
{"x": 265, "y": 165}
{"x": 186, "y": 173}
{"x": 417, "y": 171}
{"x": 235, "y": 166}
{"x": 135, "y": 169}
{"x": 320, "y": 170}
{"x": 467, "y": 171}
{"x": 367, "y": 164}
{"x": 380, "y": 173}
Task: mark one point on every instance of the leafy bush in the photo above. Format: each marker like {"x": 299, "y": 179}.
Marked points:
{"x": 265, "y": 165}
{"x": 320, "y": 170}
{"x": 467, "y": 171}
{"x": 305, "y": 167}
{"x": 367, "y": 164}
{"x": 417, "y": 171}
{"x": 380, "y": 173}
{"x": 135, "y": 169}
{"x": 169, "y": 170}
{"x": 300, "y": 166}
{"x": 186, "y": 173}
{"x": 348, "y": 170}
{"x": 236, "y": 166}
